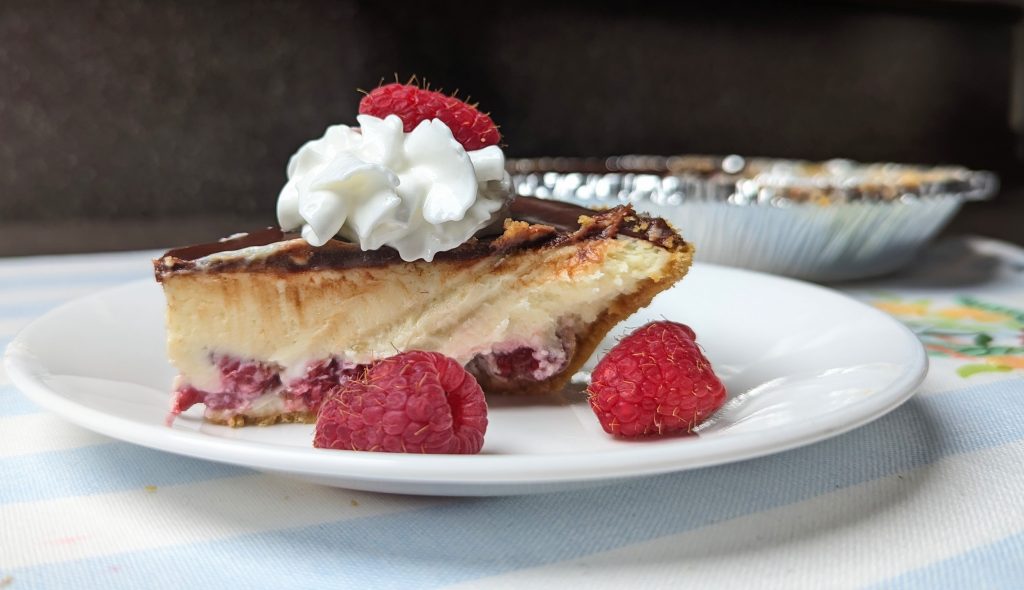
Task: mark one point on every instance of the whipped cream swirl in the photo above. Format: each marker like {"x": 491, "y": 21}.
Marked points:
{"x": 420, "y": 192}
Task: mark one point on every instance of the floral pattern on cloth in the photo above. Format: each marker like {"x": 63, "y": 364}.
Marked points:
{"x": 986, "y": 336}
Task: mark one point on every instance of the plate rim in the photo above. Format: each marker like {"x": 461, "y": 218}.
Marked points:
{"x": 27, "y": 374}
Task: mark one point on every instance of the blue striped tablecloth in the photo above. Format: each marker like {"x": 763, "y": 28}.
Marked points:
{"x": 931, "y": 495}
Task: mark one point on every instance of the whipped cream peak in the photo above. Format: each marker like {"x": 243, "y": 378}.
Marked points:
{"x": 419, "y": 192}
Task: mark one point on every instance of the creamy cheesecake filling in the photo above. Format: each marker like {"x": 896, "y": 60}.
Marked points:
{"x": 362, "y": 315}
{"x": 238, "y": 337}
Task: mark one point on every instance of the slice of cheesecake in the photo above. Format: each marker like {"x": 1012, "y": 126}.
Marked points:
{"x": 262, "y": 325}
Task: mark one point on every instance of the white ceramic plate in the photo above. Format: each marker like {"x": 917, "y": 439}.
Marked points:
{"x": 801, "y": 363}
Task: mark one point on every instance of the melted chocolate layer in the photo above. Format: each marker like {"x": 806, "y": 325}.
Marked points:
{"x": 557, "y": 214}
{"x": 532, "y": 223}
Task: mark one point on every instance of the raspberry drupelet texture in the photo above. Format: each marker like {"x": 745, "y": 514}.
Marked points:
{"x": 413, "y": 402}
{"x": 655, "y": 381}
{"x": 473, "y": 129}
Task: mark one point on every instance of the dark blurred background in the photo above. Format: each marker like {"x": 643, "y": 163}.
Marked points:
{"x": 145, "y": 124}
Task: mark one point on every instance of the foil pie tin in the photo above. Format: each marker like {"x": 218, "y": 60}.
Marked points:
{"x": 822, "y": 221}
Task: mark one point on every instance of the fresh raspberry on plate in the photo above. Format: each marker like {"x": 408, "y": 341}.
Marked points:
{"x": 473, "y": 129}
{"x": 655, "y": 381}
{"x": 413, "y": 402}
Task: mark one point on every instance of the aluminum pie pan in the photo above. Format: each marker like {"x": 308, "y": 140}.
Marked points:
{"x": 822, "y": 221}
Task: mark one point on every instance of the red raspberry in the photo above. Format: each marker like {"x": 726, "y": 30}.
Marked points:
{"x": 473, "y": 129}
{"x": 414, "y": 402}
{"x": 654, "y": 381}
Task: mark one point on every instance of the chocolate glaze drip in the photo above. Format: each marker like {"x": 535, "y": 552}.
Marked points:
{"x": 531, "y": 223}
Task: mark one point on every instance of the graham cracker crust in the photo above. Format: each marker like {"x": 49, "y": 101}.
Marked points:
{"x": 240, "y": 420}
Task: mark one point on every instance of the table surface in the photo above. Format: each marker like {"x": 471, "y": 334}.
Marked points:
{"x": 927, "y": 496}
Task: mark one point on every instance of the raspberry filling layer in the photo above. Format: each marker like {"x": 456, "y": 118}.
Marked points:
{"x": 250, "y": 387}
{"x": 243, "y": 382}
{"x": 527, "y": 363}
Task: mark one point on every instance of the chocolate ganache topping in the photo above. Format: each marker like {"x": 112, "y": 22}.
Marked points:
{"x": 529, "y": 223}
